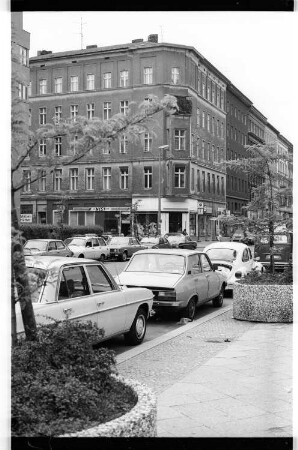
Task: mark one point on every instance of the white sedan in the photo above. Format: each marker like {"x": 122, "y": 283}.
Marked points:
{"x": 82, "y": 289}
{"x": 89, "y": 247}
{"x": 232, "y": 259}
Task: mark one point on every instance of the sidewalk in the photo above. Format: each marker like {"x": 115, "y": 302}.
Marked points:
{"x": 220, "y": 378}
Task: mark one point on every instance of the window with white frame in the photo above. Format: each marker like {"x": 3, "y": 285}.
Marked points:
{"x": 208, "y": 92}
{"x": 179, "y": 177}
{"x": 217, "y": 128}
{"x": 208, "y": 122}
{"x": 217, "y": 155}
{"x": 222, "y": 130}
{"x": 123, "y": 144}
{"x": 218, "y": 96}
{"x": 73, "y": 179}
{"x": 204, "y": 86}
{"x": 30, "y": 89}
{"x": 148, "y": 75}
{"x": 107, "y": 109}
{"x": 124, "y": 78}
{"x": 179, "y": 138}
{"x": 175, "y": 75}
{"x": 208, "y": 151}
{"x": 107, "y": 80}
{"x": 213, "y": 125}
{"x": 203, "y": 150}
{"x": 222, "y": 185}
{"x": 43, "y": 86}
{"x": 30, "y": 117}
{"x": 124, "y": 107}
{"x": 148, "y": 177}
{"x": 199, "y": 81}
{"x": 192, "y": 139}
{"x": 90, "y": 110}
{"x": 221, "y": 100}
{"x": 124, "y": 178}
{"x": 42, "y": 116}
{"x": 57, "y": 179}
{"x": 213, "y": 183}
{"x": 106, "y": 178}
{"x": 74, "y": 110}
{"x": 147, "y": 142}
{"x": 24, "y": 56}
{"x": 58, "y": 145}
{"x": 27, "y": 180}
{"x": 217, "y": 184}
{"x": 74, "y": 83}
{"x": 89, "y": 179}
{"x": 58, "y": 85}
{"x": 42, "y": 180}
{"x": 203, "y": 119}
{"x": 203, "y": 181}
{"x": 90, "y": 82}
{"x": 42, "y": 148}
{"x": 58, "y": 114}
{"x": 213, "y": 153}
{"x": 198, "y": 117}
{"x": 22, "y": 91}
{"x": 213, "y": 93}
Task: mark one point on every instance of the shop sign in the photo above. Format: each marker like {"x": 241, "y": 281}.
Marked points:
{"x": 200, "y": 211}
{"x": 208, "y": 209}
{"x": 26, "y": 218}
{"x": 109, "y": 208}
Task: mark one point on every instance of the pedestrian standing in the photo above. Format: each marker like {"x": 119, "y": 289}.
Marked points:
{"x": 184, "y": 232}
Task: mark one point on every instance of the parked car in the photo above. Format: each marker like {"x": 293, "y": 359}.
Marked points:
{"x": 283, "y": 251}
{"x": 180, "y": 279}
{"x": 234, "y": 259}
{"x": 83, "y": 289}
{"x": 155, "y": 242}
{"x": 179, "y": 240}
{"x": 238, "y": 236}
{"x": 122, "y": 247}
{"x": 107, "y": 238}
{"x": 89, "y": 247}
{"x": 46, "y": 247}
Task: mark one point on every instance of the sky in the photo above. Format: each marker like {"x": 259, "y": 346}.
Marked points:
{"x": 255, "y": 50}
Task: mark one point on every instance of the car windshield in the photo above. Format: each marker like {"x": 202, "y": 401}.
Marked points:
{"x": 119, "y": 241}
{"x": 175, "y": 238}
{"x": 36, "y": 278}
{"x": 35, "y": 244}
{"x": 77, "y": 241}
{"x": 156, "y": 263}
{"x": 226, "y": 254}
{"x": 150, "y": 240}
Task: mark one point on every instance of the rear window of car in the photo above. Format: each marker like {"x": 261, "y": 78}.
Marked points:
{"x": 35, "y": 244}
{"x": 119, "y": 241}
{"x": 226, "y": 254}
{"x": 157, "y": 263}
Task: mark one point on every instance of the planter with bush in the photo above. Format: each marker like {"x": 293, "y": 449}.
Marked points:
{"x": 38, "y": 231}
{"x": 264, "y": 297}
{"x": 64, "y": 385}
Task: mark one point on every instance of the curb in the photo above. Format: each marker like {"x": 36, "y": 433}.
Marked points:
{"x": 168, "y": 336}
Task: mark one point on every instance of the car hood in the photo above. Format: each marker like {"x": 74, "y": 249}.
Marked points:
{"x": 77, "y": 248}
{"x": 166, "y": 280}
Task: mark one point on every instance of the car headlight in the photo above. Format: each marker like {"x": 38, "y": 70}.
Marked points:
{"x": 238, "y": 274}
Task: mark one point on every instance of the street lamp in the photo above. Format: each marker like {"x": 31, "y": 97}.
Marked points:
{"x": 160, "y": 148}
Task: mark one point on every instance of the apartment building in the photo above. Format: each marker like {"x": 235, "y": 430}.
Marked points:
{"x": 102, "y": 189}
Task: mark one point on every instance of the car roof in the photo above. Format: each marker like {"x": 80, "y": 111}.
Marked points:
{"x": 47, "y": 262}
{"x": 232, "y": 245}
{"x": 44, "y": 240}
{"x": 170, "y": 251}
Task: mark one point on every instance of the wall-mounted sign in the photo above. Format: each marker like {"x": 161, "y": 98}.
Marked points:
{"x": 102, "y": 208}
{"x": 26, "y": 218}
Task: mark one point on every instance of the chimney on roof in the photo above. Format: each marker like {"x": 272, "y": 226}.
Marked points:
{"x": 43, "y": 52}
{"x": 153, "y": 38}
{"x": 135, "y": 41}
{"x": 91, "y": 46}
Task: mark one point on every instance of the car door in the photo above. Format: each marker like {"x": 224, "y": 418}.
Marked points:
{"x": 103, "y": 248}
{"x": 89, "y": 251}
{"x": 61, "y": 249}
{"x": 52, "y": 248}
{"x": 96, "y": 250}
{"x": 211, "y": 276}
{"x": 196, "y": 278}
{"x": 110, "y": 300}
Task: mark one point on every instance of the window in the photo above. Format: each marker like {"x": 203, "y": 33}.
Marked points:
{"x": 204, "y": 86}
{"x": 42, "y": 86}
{"x": 58, "y": 145}
{"x": 57, "y": 179}
{"x": 148, "y": 75}
{"x": 42, "y": 180}
{"x": 213, "y": 126}
{"x": 175, "y": 75}
{"x": 213, "y": 153}
{"x": 106, "y": 178}
{"x": 213, "y": 183}
{"x": 217, "y": 155}
{"x": 198, "y": 117}
{"x": 208, "y": 182}
{"x": 90, "y": 82}
{"x": 198, "y": 181}
{"x": 192, "y": 180}
{"x": 74, "y": 84}
{"x": 179, "y": 139}
{"x": 205, "y": 264}
{"x": 107, "y": 108}
{"x": 179, "y": 177}
{"x": 228, "y": 106}
{"x": 27, "y": 180}
{"x": 30, "y": 117}
{"x": 89, "y": 179}
{"x": 217, "y": 128}
{"x": 74, "y": 110}
{"x": 123, "y": 144}
{"x": 73, "y": 283}
{"x": 218, "y": 96}
{"x": 221, "y": 100}
{"x": 124, "y": 178}
{"x": 73, "y": 179}
{"x": 192, "y": 145}
{"x": 30, "y": 89}
{"x": 203, "y": 181}
{"x": 213, "y": 93}
{"x": 42, "y": 148}
{"x": 148, "y": 177}
{"x": 42, "y": 116}
{"x": 208, "y": 122}
{"x": 203, "y": 119}
{"x": 217, "y": 184}
{"x": 203, "y": 150}
{"x": 208, "y": 151}
{"x": 208, "y": 91}
{"x": 147, "y": 142}
{"x": 58, "y": 114}
{"x": 222, "y": 130}
{"x": 222, "y": 185}
{"x": 99, "y": 280}
{"x": 107, "y": 80}
{"x": 124, "y": 107}
{"x": 90, "y": 110}
{"x": 22, "y": 91}
{"x": 124, "y": 78}
{"x": 24, "y": 55}
{"x": 58, "y": 85}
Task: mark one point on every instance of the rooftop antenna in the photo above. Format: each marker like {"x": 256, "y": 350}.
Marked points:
{"x": 81, "y": 32}
{"x": 161, "y": 34}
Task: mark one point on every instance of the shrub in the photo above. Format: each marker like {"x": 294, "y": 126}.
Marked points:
{"x": 38, "y": 231}
{"x": 61, "y": 384}
{"x": 255, "y": 277}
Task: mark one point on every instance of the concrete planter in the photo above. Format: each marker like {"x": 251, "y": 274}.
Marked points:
{"x": 139, "y": 422}
{"x": 263, "y": 303}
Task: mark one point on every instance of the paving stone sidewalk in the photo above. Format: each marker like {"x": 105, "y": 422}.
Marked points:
{"x": 223, "y": 378}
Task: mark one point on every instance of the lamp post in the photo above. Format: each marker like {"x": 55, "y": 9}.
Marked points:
{"x": 160, "y": 148}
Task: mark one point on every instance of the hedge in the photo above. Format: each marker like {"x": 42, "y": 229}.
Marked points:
{"x": 38, "y": 231}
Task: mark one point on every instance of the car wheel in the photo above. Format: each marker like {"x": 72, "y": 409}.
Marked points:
{"x": 81, "y": 256}
{"x": 217, "y": 302}
{"x": 124, "y": 256}
{"x": 137, "y": 331}
{"x": 102, "y": 258}
{"x": 190, "y": 310}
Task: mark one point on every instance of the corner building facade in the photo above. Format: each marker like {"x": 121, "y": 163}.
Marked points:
{"x": 101, "y": 82}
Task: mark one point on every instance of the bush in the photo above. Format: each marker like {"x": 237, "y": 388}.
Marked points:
{"x": 255, "y": 277}
{"x": 61, "y": 384}
{"x": 38, "y": 231}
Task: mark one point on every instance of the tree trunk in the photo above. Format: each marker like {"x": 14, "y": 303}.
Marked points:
{"x": 20, "y": 277}
{"x": 271, "y": 244}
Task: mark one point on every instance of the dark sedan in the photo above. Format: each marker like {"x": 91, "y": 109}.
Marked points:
{"x": 155, "y": 242}
{"x": 46, "y": 247}
{"x": 122, "y": 247}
